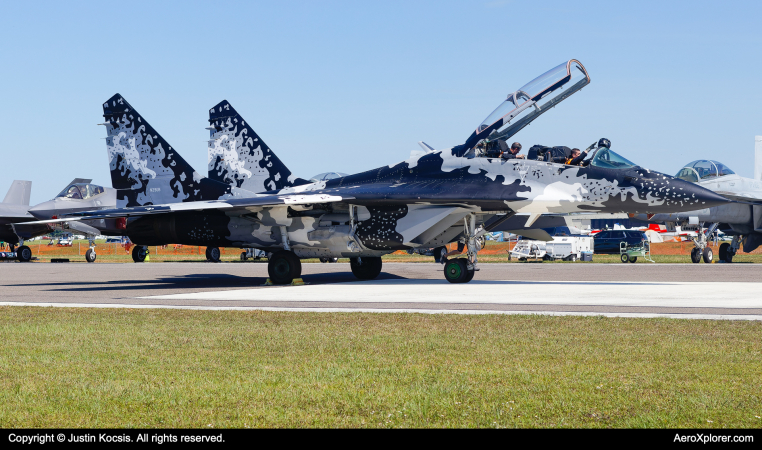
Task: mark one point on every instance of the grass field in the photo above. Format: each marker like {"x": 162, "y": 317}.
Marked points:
{"x": 172, "y": 368}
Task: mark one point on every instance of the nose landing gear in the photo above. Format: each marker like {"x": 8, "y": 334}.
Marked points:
{"x": 461, "y": 270}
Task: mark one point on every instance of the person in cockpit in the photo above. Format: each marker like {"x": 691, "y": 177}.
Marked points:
{"x": 512, "y": 153}
{"x": 573, "y": 161}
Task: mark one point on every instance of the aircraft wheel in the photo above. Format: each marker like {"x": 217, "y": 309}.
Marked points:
{"x": 724, "y": 247}
{"x": 469, "y": 275}
{"x": 366, "y": 267}
{"x": 213, "y": 254}
{"x": 90, "y": 255}
{"x": 633, "y": 259}
{"x": 24, "y": 253}
{"x": 283, "y": 267}
{"x": 729, "y": 258}
{"x": 139, "y": 254}
{"x": 696, "y": 255}
{"x": 243, "y": 256}
{"x": 323, "y": 260}
{"x": 708, "y": 255}
{"x": 624, "y": 258}
{"x": 333, "y": 260}
{"x": 456, "y": 271}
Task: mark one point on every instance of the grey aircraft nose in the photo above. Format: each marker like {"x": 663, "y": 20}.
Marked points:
{"x": 44, "y": 210}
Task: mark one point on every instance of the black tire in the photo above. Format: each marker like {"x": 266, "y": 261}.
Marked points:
{"x": 333, "y": 260}
{"x": 633, "y": 259}
{"x": 139, "y": 254}
{"x": 90, "y": 255}
{"x": 724, "y": 247}
{"x": 283, "y": 267}
{"x": 438, "y": 253}
{"x": 243, "y": 256}
{"x": 24, "y": 254}
{"x": 729, "y": 257}
{"x": 323, "y": 260}
{"x": 366, "y": 267}
{"x": 624, "y": 258}
{"x": 213, "y": 254}
{"x": 469, "y": 275}
{"x": 456, "y": 270}
{"x": 708, "y": 255}
{"x": 696, "y": 255}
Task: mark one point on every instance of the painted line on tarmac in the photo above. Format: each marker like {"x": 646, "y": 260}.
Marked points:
{"x": 392, "y": 310}
{"x": 655, "y": 294}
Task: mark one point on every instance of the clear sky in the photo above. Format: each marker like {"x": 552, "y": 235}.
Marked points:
{"x": 350, "y": 86}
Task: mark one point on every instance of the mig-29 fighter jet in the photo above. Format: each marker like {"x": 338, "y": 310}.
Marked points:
{"x": 427, "y": 201}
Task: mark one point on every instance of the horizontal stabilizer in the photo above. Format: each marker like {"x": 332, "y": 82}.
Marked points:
{"x": 19, "y": 193}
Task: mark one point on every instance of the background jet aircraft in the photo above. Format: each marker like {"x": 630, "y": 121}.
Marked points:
{"x": 741, "y": 219}
{"x": 14, "y": 209}
{"x": 426, "y": 201}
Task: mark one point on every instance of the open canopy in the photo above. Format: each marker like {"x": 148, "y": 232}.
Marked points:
{"x": 534, "y": 98}
{"x": 703, "y": 169}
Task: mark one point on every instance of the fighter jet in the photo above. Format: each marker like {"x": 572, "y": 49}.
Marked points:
{"x": 741, "y": 219}
{"x": 13, "y": 210}
{"x": 426, "y": 201}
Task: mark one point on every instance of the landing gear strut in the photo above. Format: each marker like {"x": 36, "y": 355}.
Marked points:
{"x": 90, "y": 253}
{"x": 701, "y": 249}
{"x": 462, "y": 270}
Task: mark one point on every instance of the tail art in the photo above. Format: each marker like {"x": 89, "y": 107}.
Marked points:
{"x": 19, "y": 193}
{"x": 145, "y": 169}
{"x": 238, "y": 156}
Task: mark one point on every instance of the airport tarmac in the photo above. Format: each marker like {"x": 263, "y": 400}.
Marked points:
{"x": 701, "y": 291}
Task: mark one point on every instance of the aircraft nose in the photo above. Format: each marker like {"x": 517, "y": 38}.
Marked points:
{"x": 680, "y": 195}
{"x": 44, "y": 210}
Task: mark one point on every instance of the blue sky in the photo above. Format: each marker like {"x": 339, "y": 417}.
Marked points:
{"x": 350, "y": 86}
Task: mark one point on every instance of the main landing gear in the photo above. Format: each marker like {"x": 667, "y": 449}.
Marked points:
{"x": 23, "y": 253}
{"x": 365, "y": 267}
{"x": 283, "y": 267}
{"x": 728, "y": 251}
{"x": 139, "y": 253}
{"x": 213, "y": 254}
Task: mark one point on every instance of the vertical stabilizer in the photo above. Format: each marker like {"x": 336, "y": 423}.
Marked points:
{"x": 238, "y": 157}
{"x": 145, "y": 169}
{"x": 19, "y": 193}
{"x": 758, "y": 157}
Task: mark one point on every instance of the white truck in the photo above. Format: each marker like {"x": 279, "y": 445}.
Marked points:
{"x": 568, "y": 248}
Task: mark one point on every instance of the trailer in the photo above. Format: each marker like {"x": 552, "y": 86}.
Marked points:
{"x": 568, "y": 248}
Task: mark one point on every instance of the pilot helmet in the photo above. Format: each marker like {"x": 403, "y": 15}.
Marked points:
{"x": 603, "y": 142}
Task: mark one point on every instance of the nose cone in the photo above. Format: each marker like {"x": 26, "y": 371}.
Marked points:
{"x": 44, "y": 210}
{"x": 670, "y": 195}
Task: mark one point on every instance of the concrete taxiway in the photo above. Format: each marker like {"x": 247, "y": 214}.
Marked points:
{"x": 729, "y": 291}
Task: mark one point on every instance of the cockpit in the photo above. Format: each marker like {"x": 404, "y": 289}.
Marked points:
{"x": 702, "y": 170}
{"x": 81, "y": 191}
{"x": 607, "y": 159}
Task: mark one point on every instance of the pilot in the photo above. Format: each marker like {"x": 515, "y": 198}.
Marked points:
{"x": 603, "y": 142}
{"x": 512, "y": 153}
{"x": 572, "y": 160}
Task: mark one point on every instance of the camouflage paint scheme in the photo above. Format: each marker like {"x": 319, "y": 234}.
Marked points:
{"x": 426, "y": 201}
{"x": 240, "y": 158}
